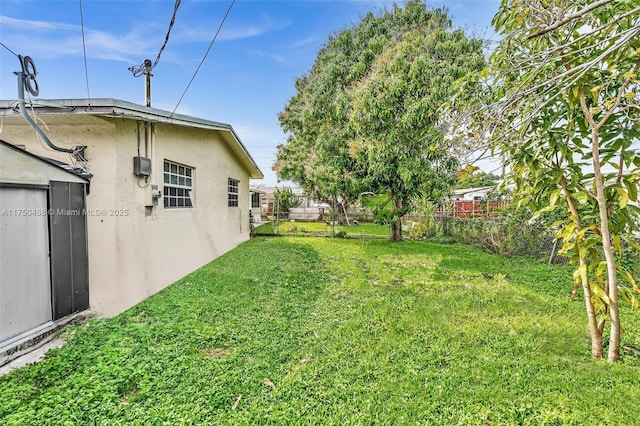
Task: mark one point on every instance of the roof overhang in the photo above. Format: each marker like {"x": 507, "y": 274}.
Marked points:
{"x": 108, "y": 107}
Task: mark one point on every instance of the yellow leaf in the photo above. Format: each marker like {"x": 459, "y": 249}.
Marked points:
{"x": 617, "y": 243}
{"x": 595, "y": 92}
{"x": 589, "y": 228}
{"x": 582, "y": 272}
{"x": 601, "y": 270}
{"x": 627, "y": 275}
{"x": 599, "y": 293}
{"x": 624, "y": 197}
{"x": 235, "y": 404}
{"x": 630, "y": 95}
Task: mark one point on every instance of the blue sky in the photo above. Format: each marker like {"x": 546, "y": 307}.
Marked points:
{"x": 248, "y": 75}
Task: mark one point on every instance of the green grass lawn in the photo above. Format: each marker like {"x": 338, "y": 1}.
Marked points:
{"x": 347, "y": 332}
{"x": 322, "y": 229}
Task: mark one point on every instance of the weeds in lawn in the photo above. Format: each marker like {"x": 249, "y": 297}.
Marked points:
{"x": 345, "y": 332}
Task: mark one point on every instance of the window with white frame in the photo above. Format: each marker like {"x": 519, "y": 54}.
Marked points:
{"x": 178, "y": 184}
{"x": 232, "y": 191}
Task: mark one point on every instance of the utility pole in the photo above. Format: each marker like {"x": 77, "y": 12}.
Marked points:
{"x": 148, "y": 75}
{"x": 145, "y": 68}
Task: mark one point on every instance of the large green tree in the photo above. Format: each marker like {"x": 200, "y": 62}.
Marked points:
{"x": 365, "y": 118}
{"x": 316, "y": 155}
{"x": 563, "y": 85}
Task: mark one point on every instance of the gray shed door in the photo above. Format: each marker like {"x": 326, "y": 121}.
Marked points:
{"x": 69, "y": 255}
{"x": 25, "y": 290}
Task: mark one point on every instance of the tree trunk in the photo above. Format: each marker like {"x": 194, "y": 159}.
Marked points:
{"x": 594, "y": 331}
{"x": 612, "y": 278}
{"x": 343, "y": 204}
{"x": 395, "y": 231}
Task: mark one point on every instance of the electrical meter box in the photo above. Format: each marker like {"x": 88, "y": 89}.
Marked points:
{"x": 152, "y": 195}
{"x": 141, "y": 166}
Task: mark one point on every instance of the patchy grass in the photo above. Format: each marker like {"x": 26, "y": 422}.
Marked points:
{"x": 333, "y": 331}
{"x": 321, "y": 229}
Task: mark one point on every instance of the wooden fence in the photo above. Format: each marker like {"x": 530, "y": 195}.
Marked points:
{"x": 469, "y": 209}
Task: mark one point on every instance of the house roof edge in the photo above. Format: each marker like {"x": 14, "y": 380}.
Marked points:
{"x": 119, "y": 108}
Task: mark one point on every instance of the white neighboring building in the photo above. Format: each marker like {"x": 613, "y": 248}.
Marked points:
{"x": 308, "y": 209}
{"x": 472, "y": 194}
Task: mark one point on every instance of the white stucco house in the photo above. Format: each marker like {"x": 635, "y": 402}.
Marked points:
{"x": 164, "y": 193}
{"x": 472, "y": 194}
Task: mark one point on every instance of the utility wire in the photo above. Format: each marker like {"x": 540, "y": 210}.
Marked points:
{"x": 146, "y": 65}
{"x": 204, "y": 58}
{"x": 5, "y": 46}
{"x": 166, "y": 38}
{"x": 84, "y": 51}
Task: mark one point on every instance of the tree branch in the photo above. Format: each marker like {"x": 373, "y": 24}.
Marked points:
{"x": 576, "y": 73}
{"x": 619, "y": 97}
{"x": 569, "y": 18}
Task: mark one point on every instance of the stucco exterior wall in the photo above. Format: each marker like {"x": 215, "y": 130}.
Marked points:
{"x": 136, "y": 251}
{"x": 21, "y": 169}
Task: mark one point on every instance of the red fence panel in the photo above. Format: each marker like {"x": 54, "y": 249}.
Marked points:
{"x": 466, "y": 209}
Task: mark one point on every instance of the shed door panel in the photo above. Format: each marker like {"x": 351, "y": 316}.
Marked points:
{"x": 69, "y": 261}
{"x": 25, "y": 291}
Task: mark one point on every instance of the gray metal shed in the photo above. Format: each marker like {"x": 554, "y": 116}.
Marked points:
{"x": 43, "y": 242}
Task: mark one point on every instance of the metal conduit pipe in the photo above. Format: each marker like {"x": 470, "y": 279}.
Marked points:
{"x": 26, "y": 116}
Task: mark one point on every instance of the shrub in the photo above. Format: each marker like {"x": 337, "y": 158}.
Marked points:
{"x": 511, "y": 232}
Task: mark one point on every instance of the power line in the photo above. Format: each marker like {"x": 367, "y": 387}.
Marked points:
{"x": 205, "y": 56}
{"x": 146, "y": 66}
{"x": 166, "y": 38}
{"x": 84, "y": 52}
{"x": 5, "y": 46}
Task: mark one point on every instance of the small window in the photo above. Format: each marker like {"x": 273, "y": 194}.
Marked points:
{"x": 178, "y": 184}
{"x": 232, "y": 190}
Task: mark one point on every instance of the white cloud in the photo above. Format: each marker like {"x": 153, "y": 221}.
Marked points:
{"x": 27, "y": 25}
{"x": 240, "y": 31}
{"x": 57, "y": 40}
{"x": 276, "y": 57}
{"x": 312, "y": 40}
{"x": 230, "y": 30}
{"x": 47, "y": 39}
